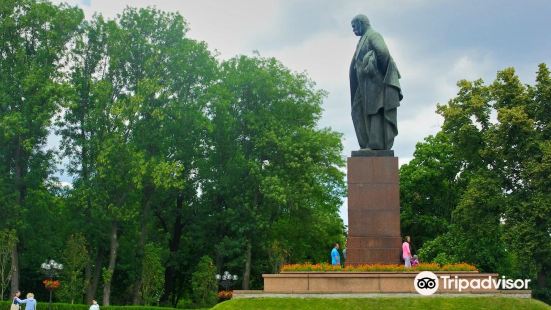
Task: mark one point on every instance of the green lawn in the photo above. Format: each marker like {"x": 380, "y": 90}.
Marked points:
{"x": 425, "y": 303}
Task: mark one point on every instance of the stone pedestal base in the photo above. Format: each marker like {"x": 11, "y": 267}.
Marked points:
{"x": 373, "y": 211}
{"x": 367, "y": 282}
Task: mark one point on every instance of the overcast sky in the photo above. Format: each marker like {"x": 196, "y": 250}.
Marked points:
{"x": 434, "y": 43}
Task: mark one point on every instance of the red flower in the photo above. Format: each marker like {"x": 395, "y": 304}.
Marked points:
{"x": 51, "y": 284}
{"x": 323, "y": 267}
{"x": 225, "y": 295}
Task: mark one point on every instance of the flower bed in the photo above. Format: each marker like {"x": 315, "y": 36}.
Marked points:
{"x": 324, "y": 267}
{"x": 51, "y": 284}
{"x": 225, "y": 295}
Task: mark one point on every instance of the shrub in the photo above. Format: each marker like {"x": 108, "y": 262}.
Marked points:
{"x": 153, "y": 273}
{"x": 76, "y": 258}
{"x": 204, "y": 284}
{"x": 185, "y": 303}
{"x": 64, "y": 306}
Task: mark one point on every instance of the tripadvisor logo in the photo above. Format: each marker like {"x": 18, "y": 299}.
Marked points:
{"x": 427, "y": 283}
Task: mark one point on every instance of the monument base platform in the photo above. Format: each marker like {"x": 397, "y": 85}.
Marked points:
{"x": 362, "y": 282}
{"x": 244, "y": 294}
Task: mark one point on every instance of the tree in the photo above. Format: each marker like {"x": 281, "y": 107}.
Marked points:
{"x": 165, "y": 76}
{"x": 96, "y": 134}
{"x": 204, "y": 283}
{"x": 271, "y": 167}
{"x": 34, "y": 38}
{"x": 147, "y": 99}
{"x": 7, "y": 242}
{"x": 523, "y": 147}
{"x": 153, "y": 275}
{"x": 475, "y": 234}
{"x": 83, "y": 127}
{"x": 430, "y": 189}
{"x": 500, "y": 219}
{"x": 119, "y": 172}
{"x": 76, "y": 259}
{"x": 474, "y": 210}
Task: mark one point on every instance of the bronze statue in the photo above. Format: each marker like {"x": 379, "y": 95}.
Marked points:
{"x": 374, "y": 87}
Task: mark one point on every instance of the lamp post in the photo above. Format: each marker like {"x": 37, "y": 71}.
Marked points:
{"x": 226, "y": 279}
{"x": 51, "y": 268}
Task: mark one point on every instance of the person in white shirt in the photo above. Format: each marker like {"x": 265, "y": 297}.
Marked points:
{"x": 94, "y": 305}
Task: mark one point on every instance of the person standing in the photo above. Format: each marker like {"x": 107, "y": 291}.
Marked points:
{"x": 406, "y": 252}
{"x": 335, "y": 256}
{"x": 94, "y": 305}
{"x": 344, "y": 250}
{"x": 15, "y": 304}
{"x": 30, "y": 302}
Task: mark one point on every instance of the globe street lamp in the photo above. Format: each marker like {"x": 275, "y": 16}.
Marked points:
{"x": 51, "y": 268}
{"x": 226, "y": 280}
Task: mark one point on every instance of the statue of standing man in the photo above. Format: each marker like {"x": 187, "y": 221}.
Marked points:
{"x": 375, "y": 89}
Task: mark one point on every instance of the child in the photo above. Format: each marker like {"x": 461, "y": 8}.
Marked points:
{"x": 414, "y": 261}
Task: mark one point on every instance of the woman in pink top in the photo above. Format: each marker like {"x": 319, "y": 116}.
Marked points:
{"x": 406, "y": 252}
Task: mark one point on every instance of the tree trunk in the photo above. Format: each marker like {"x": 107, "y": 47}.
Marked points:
{"x": 111, "y": 267}
{"x": 542, "y": 279}
{"x": 20, "y": 172}
{"x": 93, "y": 284}
{"x": 170, "y": 271}
{"x": 21, "y": 187}
{"x": 137, "y": 300}
{"x": 219, "y": 261}
{"x": 87, "y": 280}
{"x": 247, "y": 272}
{"x": 14, "y": 269}
{"x": 170, "y": 293}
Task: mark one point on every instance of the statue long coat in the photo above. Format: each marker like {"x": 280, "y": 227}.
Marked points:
{"x": 375, "y": 91}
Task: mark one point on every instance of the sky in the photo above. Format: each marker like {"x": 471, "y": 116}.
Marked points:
{"x": 434, "y": 44}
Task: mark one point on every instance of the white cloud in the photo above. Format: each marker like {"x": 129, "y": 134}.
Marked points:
{"x": 325, "y": 56}
{"x": 420, "y": 125}
{"x": 228, "y": 26}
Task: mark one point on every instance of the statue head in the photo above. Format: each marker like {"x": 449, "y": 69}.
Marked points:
{"x": 360, "y": 23}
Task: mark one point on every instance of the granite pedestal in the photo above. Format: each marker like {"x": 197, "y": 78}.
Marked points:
{"x": 373, "y": 208}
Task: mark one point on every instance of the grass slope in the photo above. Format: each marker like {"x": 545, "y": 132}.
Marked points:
{"x": 467, "y": 303}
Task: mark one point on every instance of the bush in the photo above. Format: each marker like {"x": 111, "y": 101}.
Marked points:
{"x": 441, "y": 250}
{"x": 185, "y": 303}
{"x": 76, "y": 258}
{"x": 204, "y": 284}
{"x": 153, "y": 273}
{"x": 543, "y": 294}
{"x": 63, "y": 306}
